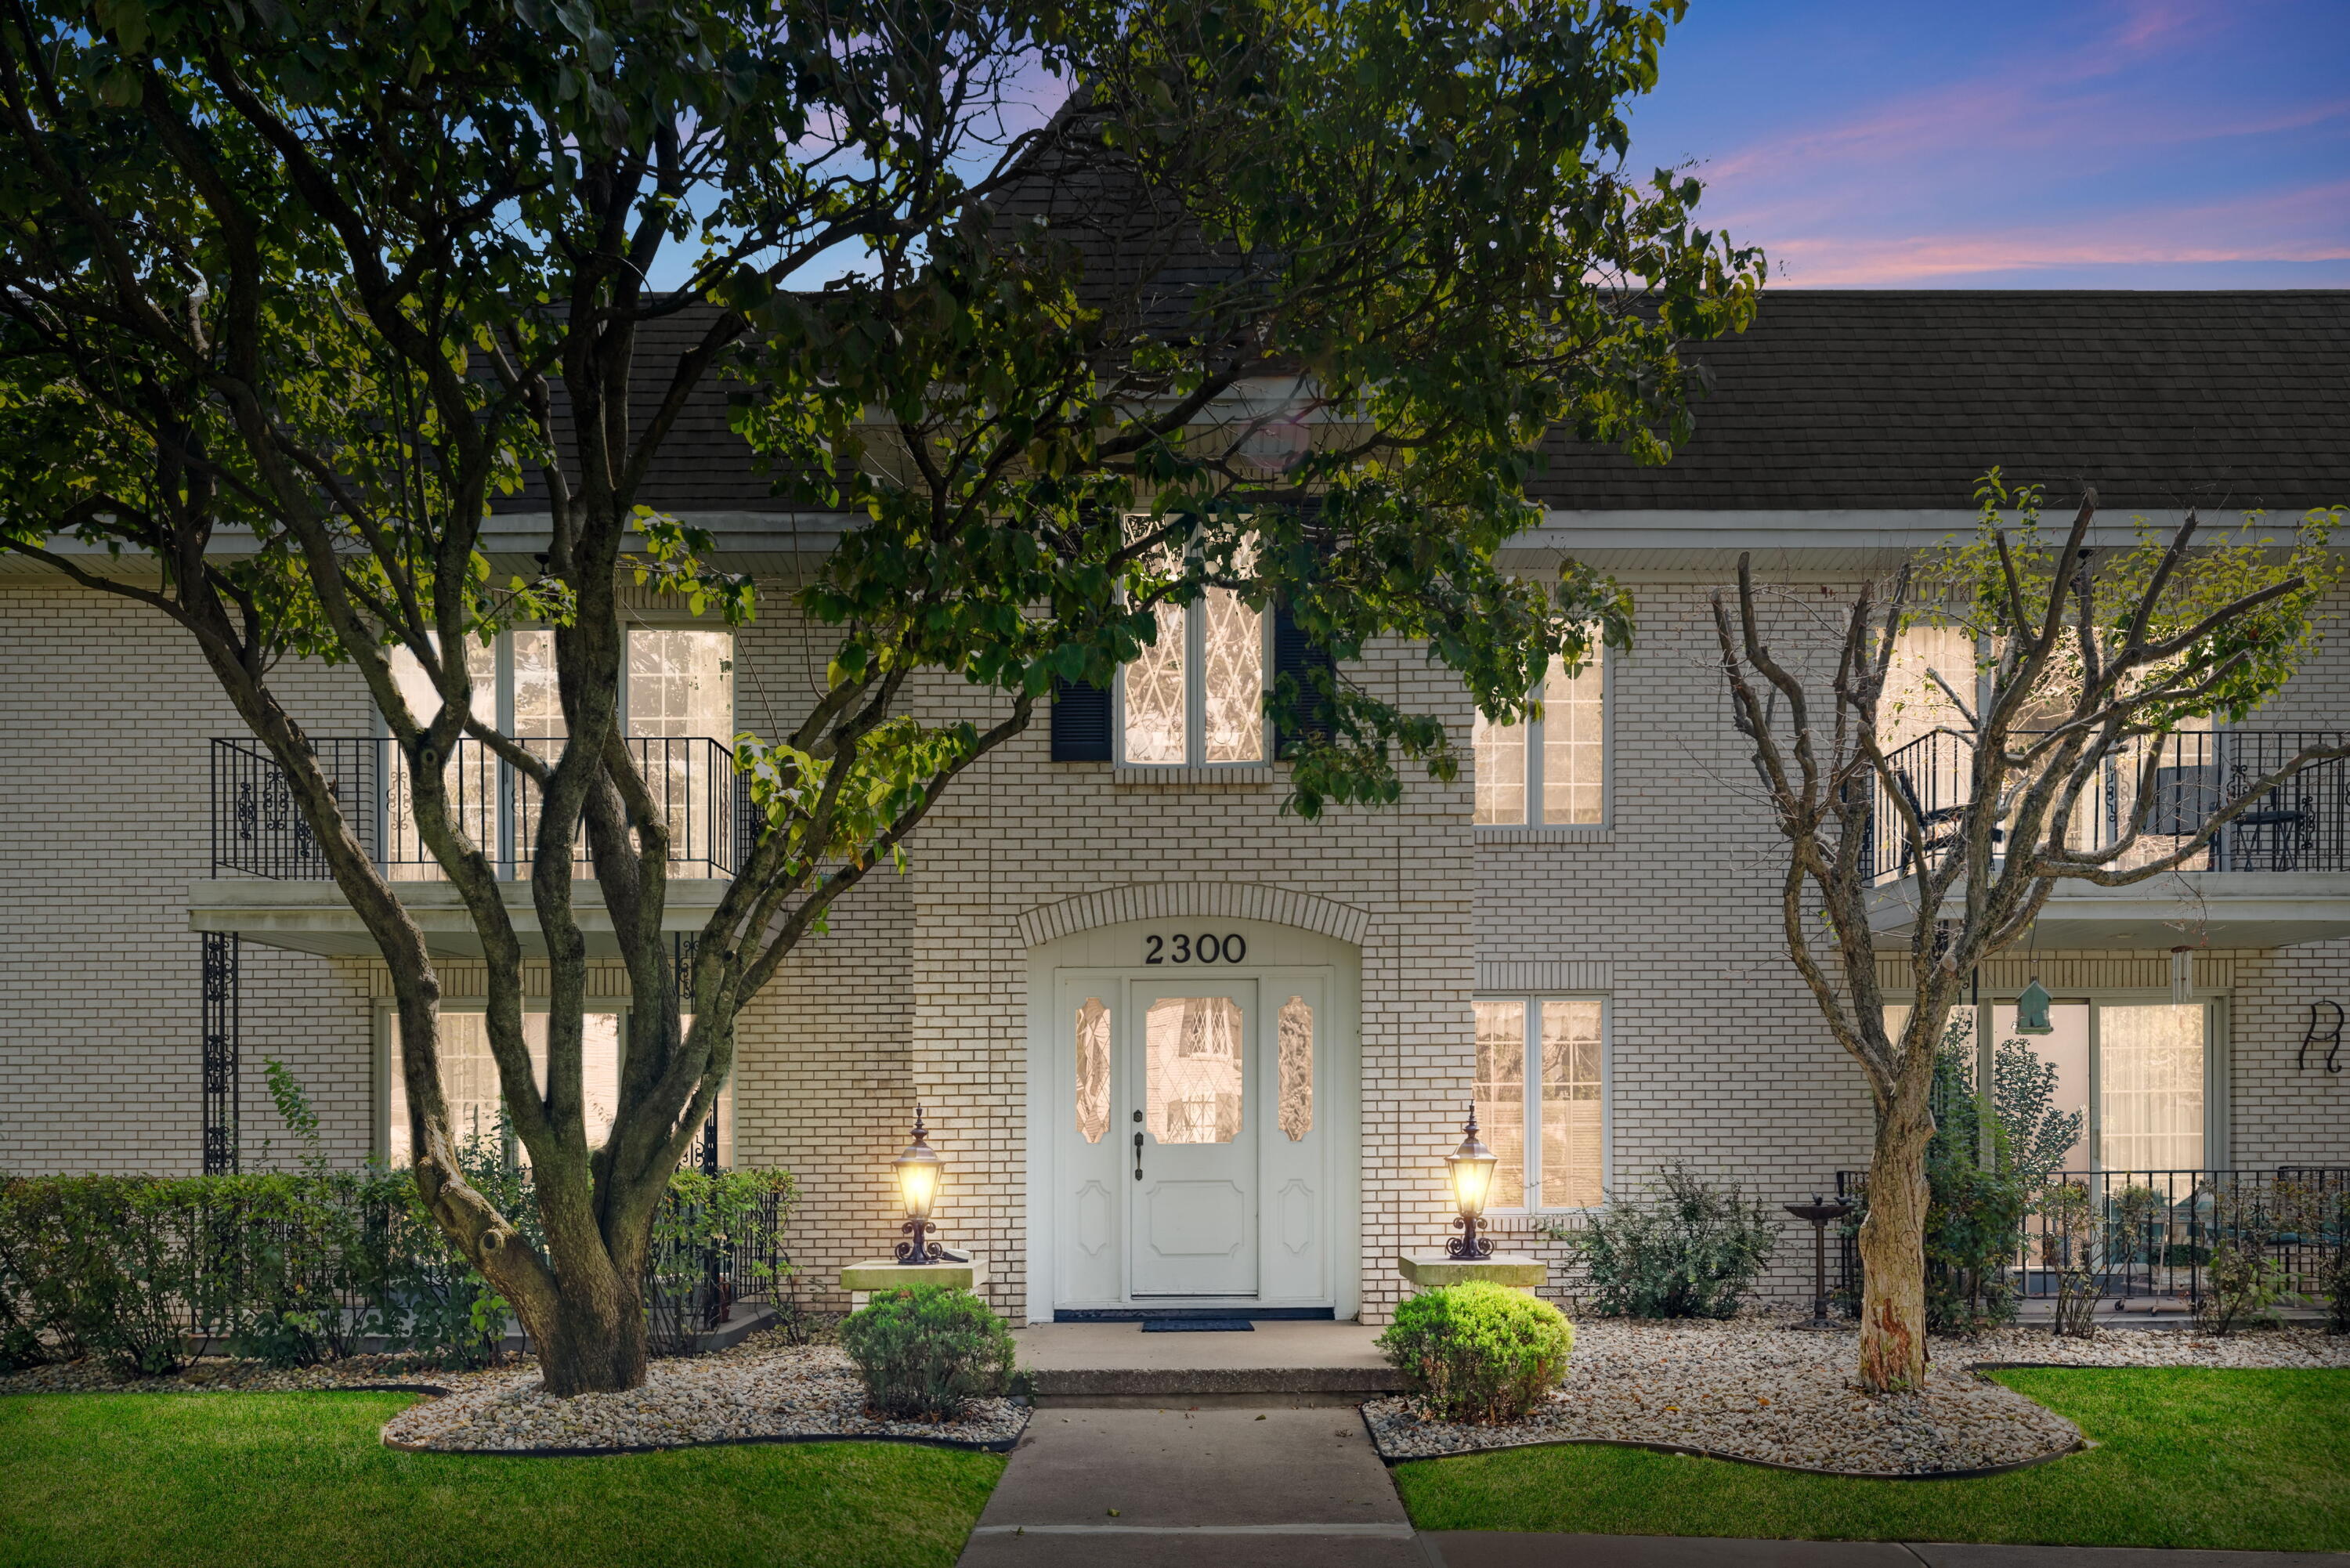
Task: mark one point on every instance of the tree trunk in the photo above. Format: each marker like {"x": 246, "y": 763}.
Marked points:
{"x": 590, "y": 1336}
{"x": 1893, "y": 1252}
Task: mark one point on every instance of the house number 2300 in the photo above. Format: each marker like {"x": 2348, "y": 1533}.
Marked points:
{"x": 1194, "y": 949}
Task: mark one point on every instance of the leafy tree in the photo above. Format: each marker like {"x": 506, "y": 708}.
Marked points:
{"x": 2024, "y": 1095}
{"x": 292, "y": 291}
{"x": 1976, "y": 1194}
{"x": 2089, "y": 661}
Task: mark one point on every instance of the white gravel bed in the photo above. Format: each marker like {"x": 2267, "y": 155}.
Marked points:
{"x": 1750, "y": 1390}
{"x": 757, "y": 1392}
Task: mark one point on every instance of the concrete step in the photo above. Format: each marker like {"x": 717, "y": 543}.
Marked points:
{"x": 1117, "y": 1362}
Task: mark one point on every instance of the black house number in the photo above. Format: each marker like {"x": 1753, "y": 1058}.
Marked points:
{"x": 1202, "y": 949}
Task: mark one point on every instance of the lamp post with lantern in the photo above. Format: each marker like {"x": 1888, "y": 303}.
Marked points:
{"x": 919, "y": 1170}
{"x": 916, "y": 1260}
{"x": 1468, "y": 1172}
{"x": 1471, "y": 1167}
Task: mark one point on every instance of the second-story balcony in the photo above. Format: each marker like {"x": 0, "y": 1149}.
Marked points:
{"x": 2277, "y": 875}
{"x": 257, "y": 832}
{"x": 270, "y": 883}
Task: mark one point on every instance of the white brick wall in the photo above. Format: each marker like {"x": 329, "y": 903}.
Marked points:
{"x": 919, "y": 990}
{"x": 105, "y": 817}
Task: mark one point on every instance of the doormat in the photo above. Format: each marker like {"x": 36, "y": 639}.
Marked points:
{"x": 1198, "y": 1326}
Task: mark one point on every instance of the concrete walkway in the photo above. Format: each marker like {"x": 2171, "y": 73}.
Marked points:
{"x": 1232, "y": 1488}
{"x": 1083, "y": 1362}
{"x": 1301, "y": 1487}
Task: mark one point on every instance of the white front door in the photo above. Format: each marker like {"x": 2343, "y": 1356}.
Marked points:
{"x": 1193, "y": 1113}
{"x": 1192, "y": 1124}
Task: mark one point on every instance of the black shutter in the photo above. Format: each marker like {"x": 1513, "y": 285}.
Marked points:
{"x": 1080, "y": 723}
{"x": 1296, "y": 656}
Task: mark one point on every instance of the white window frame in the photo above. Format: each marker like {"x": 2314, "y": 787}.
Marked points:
{"x": 1607, "y": 659}
{"x": 2217, "y": 1061}
{"x": 1532, "y": 1131}
{"x": 386, "y": 1028}
{"x": 1195, "y": 699}
{"x": 503, "y": 671}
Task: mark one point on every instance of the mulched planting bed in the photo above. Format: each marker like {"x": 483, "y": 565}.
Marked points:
{"x": 756, "y": 1392}
{"x": 1750, "y": 1389}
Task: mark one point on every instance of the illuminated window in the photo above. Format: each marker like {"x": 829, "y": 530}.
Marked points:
{"x": 677, "y": 709}
{"x": 1540, "y": 1096}
{"x": 1196, "y": 696}
{"x": 469, "y": 1081}
{"x": 1551, "y": 771}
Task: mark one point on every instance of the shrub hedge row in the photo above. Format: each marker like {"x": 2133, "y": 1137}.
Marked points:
{"x": 298, "y": 1267}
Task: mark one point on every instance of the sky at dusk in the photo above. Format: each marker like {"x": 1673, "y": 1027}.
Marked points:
{"x": 2073, "y": 144}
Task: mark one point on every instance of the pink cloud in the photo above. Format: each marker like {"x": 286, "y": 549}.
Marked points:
{"x": 2074, "y": 99}
{"x": 2298, "y": 226}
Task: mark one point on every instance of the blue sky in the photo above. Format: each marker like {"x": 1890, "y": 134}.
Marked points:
{"x": 1992, "y": 144}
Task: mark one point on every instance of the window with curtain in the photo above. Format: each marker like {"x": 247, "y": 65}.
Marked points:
{"x": 469, "y": 1080}
{"x": 2139, "y": 1070}
{"x": 1550, "y": 771}
{"x": 1540, "y": 1098}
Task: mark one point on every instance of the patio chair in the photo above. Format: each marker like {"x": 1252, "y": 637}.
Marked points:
{"x": 2278, "y": 826}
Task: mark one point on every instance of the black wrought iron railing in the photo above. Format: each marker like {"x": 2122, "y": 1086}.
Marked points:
{"x": 258, "y": 832}
{"x": 2146, "y": 1239}
{"x": 2301, "y": 825}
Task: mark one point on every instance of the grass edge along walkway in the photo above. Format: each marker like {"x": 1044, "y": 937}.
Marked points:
{"x": 2185, "y": 1457}
{"x": 263, "y": 1480}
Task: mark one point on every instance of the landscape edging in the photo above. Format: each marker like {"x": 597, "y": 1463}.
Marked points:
{"x": 2080, "y": 1443}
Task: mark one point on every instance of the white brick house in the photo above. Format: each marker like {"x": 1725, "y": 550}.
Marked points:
{"x": 1295, "y": 1012}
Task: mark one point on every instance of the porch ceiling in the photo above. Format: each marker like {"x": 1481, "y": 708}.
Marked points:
{"x": 312, "y": 917}
{"x": 2220, "y": 909}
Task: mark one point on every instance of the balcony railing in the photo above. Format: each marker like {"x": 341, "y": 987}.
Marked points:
{"x": 2301, "y": 825}
{"x": 2145, "y": 1240}
{"x": 257, "y": 831}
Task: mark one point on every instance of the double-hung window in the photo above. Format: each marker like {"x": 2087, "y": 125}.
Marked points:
{"x": 1196, "y": 697}
{"x": 1549, "y": 772}
{"x": 1541, "y": 1098}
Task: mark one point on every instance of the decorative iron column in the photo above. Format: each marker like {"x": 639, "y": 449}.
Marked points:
{"x": 682, "y": 947}
{"x": 222, "y": 954}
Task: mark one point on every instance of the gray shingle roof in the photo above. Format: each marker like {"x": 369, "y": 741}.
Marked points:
{"x": 1882, "y": 399}
{"x": 1899, "y": 399}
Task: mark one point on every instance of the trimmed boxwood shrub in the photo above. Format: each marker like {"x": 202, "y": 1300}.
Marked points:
{"x": 926, "y": 1350}
{"x": 1479, "y": 1352}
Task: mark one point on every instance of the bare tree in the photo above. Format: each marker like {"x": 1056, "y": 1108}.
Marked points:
{"x": 2086, "y": 662}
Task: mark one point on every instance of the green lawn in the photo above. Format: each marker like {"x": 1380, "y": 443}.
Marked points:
{"x": 257, "y": 1480}
{"x": 2185, "y": 1457}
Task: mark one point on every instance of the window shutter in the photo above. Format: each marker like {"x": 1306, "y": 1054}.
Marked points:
{"x": 1080, "y": 723}
{"x": 1296, "y": 656}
